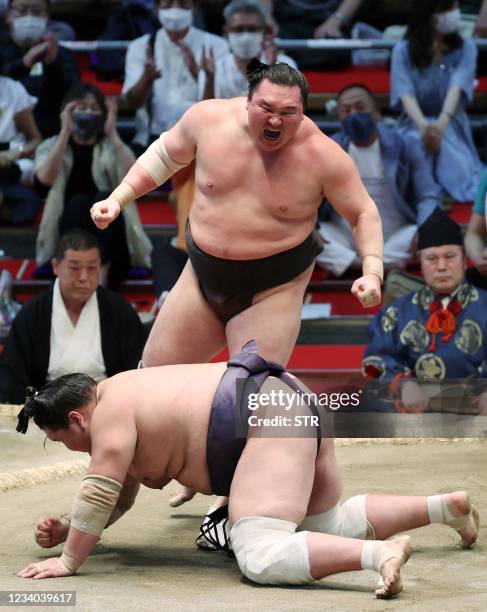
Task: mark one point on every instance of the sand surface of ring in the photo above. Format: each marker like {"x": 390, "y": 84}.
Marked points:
{"x": 148, "y": 561}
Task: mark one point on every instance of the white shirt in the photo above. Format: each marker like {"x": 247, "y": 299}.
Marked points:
{"x": 75, "y": 348}
{"x": 230, "y": 82}
{"x": 14, "y": 99}
{"x": 176, "y": 90}
{"x": 371, "y": 169}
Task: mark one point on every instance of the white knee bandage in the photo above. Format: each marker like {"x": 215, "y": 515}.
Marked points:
{"x": 269, "y": 551}
{"x": 157, "y": 163}
{"x": 92, "y": 507}
{"x": 348, "y": 520}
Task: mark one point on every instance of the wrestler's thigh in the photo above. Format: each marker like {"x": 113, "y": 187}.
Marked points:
{"x": 327, "y": 485}
{"x": 273, "y": 320}
{"x": 274, "y": 477}
{"x": 186, "y": 329}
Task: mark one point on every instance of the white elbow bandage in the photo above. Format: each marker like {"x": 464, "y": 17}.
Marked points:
{"x": 150, "y": 170}
{"x": 92, "y": 507}
{"x": 157, "y": 163}
{"x": 373, "y": 264}
{"x": 269, "y": 551}
{"x": 125, "y": 501}
{"x": 348, "y": 520}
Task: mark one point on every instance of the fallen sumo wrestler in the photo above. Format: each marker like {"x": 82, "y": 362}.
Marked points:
{"x": 287, "y": 525}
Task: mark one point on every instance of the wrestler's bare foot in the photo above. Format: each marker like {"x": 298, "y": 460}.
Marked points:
{"x": 459, "y": 504}
{"x": 396, "y": 552}
{"x": 177, "y": 498}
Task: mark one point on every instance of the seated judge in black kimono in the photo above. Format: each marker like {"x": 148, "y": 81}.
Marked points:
{"x": 75, "y": 326}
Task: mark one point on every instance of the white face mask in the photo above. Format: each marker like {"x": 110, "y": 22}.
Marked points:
{"x": 28, "y": 29}
{"x": 246, "y": 45}
{"x": 176, "y": 19}
{"x": 448, "y": 22}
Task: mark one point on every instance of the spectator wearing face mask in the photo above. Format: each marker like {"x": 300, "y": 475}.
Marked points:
{"x": 163, "y": 78}
{"x": 84, "y": 162}
{"x": 245, "y": 26}
{"x": 432, "y": 81}
{"x": 248, "y": 38}
{"x": 393, "y": 169}
{"x": 32, "y": 56}
{"x": 60, "y": 29}
{"x": 162, "y": 71}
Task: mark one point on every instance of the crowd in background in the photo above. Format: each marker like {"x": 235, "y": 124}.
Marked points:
{"x": 60, "y": 145}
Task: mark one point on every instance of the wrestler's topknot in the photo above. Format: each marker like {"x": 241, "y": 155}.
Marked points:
{"x": 279, "y": 73}
{"x": 50, "y": 406}
{"x": 27, "y": 411}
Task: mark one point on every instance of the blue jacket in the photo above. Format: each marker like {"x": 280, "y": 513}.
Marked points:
{"x": 415, "y": 192}
{"x": 400, "y": 343}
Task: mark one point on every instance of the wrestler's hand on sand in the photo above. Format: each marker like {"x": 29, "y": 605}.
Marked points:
{"x": 413, "y": 398}
{"x": 51, "y": 531}
{"x": 50, "y": 568}
{"x": 367, "y": 290}
{"x": 104, "y": 212}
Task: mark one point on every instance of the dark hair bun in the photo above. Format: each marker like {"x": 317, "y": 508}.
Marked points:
{"x": 30, "y": 392}
{"x": 254, "y": 66}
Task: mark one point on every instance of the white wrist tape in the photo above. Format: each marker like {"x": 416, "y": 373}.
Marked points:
{"x": 96, "y": 499}
{"x": 373, "y": 264}
{"x": 156, "y": 162}
{"x": 125, "y": 502}
{"x": 70, "y": 563}
{"x": 124, "y": 194}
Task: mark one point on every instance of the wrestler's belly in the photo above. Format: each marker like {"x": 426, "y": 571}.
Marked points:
{"x": 190, "y": 478}
{"x": 196, "y": 477}
{"x": 233, "y": 233}
{"x": 155, "y": 483}
{"x": 172, "y": 424}
{"x": 192, "y": 472}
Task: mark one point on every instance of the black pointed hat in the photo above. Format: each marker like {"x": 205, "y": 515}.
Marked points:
{"x": 438, "y": 230}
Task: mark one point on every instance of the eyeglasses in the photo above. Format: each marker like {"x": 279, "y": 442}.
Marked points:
{"x": 249, "y": 28}
{"x": 20, "y": 10}
{"x": 185, "y": 4}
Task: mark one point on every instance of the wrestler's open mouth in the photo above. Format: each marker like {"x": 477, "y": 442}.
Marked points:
{"x": 272, "y": 135}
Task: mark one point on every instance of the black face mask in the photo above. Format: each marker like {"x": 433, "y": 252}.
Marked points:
{"x": 359, "y": 127}
{"x": 87, "y": 125}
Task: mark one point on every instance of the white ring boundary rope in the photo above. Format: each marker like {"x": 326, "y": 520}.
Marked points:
{"x": 56, "y": 471}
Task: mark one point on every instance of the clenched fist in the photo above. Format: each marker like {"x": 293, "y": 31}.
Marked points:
{"x": 104, "y": 212}
{"x": 51, "y": 531}
{"x": 367, "y": 290}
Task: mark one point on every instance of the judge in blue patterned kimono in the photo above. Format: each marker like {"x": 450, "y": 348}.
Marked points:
{"x": 432, "y": 81}
{"x": 435, "y": 333}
